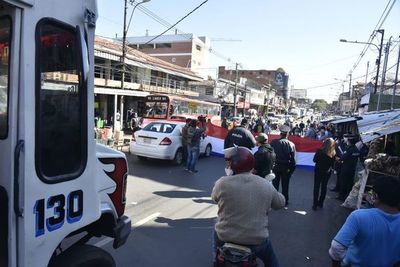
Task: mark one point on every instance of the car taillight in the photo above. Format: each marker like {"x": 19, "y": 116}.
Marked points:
{"x": 166, "y": 142}
{"x": 120, "y": 177}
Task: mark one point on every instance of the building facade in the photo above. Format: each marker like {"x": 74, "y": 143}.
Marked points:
{"x": 184, "y": 50}
{"x": 143, "y": 75}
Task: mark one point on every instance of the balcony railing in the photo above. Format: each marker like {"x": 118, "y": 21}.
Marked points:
{"x": 148, "y": 84}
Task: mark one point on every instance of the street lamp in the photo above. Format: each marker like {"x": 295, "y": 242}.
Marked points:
{"x": 382, "y": 32}
{"x": 126, "y": 28}
{"x": 123, "y": 58}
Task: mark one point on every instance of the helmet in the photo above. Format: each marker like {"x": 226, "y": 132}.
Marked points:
{"x": 241, "y": 159}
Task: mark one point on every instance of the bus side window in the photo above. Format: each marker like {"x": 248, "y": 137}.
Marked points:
{"x": 171, "y": 110}
{"x": 5, "y": 38}
{"x": 61, "y": 126}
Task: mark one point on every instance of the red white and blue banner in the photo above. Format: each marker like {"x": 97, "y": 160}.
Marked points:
{"x": 305, "y": 148}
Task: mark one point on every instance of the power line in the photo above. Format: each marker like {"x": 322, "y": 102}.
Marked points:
{"x": 167, "y": 24}
{"x": 373, "y": 35}
{"x": 356, "y": 78}
{"x": 188, "y": 14}
{"x": 157, "y": 18}
{"x": 339, "y": 82}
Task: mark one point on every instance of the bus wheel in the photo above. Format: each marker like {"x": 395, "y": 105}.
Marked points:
{"x": 208, "y": 150}
{"x": 178, "y": 157}
{"x": 83, "y": 256}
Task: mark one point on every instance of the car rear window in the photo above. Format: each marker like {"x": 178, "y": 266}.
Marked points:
{"x": 160, "y": 127}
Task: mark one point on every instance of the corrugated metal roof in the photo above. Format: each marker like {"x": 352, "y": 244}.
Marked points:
{"x": 350, "y": 119}
{"x": 372, "y": 126}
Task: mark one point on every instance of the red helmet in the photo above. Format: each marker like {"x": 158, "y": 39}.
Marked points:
{"x": 241, "y": 159}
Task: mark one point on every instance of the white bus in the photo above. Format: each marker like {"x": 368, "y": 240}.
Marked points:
{"x": 57, "y": 187}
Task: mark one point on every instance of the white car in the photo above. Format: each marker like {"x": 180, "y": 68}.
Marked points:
{"x": 163, "y": 140}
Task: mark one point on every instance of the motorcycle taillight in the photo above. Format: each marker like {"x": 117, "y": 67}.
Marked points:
{"x": 120, "y": 177}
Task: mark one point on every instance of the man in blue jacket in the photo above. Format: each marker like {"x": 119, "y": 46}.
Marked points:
{"x": 370, "y": 237}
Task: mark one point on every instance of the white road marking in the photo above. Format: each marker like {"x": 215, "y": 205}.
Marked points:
{"x": 147, "y": 219}
{"x": 300, "y": 212}
{"x": 133, "y": 203}
{"x": 201, "y": 198}
{"x": 107, "y": 240}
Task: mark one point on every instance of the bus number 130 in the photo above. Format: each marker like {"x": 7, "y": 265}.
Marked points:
{"x": 70, "y": 207}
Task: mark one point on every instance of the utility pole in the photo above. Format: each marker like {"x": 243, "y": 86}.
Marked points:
{"x": 350, "y": 89}
{"x": 245, "y": 97}
{"x": 395, "y": 80}
{"x": 382, "y": 32}
{"x": 235, "y": 92}
{"x": 383, "y": 80}
{"x": 124, "y": 46}
{"x": 366, "y": 76}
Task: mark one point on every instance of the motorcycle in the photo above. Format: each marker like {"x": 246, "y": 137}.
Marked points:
{"x": 233, "y": 255}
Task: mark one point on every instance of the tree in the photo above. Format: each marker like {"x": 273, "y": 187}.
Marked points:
{"x": 319, "y": 104}
{"x": 280, "y": 70}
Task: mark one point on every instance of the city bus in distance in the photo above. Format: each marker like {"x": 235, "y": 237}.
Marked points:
{"x": 167, "y": 107}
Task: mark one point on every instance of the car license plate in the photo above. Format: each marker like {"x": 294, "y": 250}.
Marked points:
{"x": 147, "y": 140}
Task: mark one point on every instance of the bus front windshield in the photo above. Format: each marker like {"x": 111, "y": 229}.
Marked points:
{"x": 156, "y": 110}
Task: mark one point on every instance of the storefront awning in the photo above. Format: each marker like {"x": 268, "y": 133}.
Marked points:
{"x": 111, "y": 91}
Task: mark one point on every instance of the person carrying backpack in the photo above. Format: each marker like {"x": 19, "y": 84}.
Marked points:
{"x": 264, "y": 157}
{"x": 193, "y": 143}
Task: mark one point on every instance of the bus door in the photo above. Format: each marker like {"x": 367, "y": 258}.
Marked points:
{"x": 54, "y": 147}
{"x": 10, "y": 18}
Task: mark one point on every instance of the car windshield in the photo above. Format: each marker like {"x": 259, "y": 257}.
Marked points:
{"x": 160, "y": 127}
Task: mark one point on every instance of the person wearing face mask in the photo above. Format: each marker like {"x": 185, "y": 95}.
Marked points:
{"x": 242, "y": 219}
{"x": 370, "y": 237}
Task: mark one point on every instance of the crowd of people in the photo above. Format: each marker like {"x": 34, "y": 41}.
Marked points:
{"x": 243, "y": 219}
{"x": 308, "y": 129}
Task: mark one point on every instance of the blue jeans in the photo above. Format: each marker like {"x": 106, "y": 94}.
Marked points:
{"x": 193, "y": 155}
{"x": 264, "y": 251}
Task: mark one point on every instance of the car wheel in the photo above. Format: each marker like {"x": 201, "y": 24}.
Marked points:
{"x": 208, "y": 150}
{"x": 141, "y": 158}
{"x": 178, "y": 159}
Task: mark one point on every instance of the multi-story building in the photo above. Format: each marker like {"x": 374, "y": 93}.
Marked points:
{"x": 276, "y": 79}
{"x": 144, "y": 75}
{"x": 185, "y": 50}
{"x": 272, "y": 85}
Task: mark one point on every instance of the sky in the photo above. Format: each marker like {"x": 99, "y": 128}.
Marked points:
{"x": 300, "y": 36}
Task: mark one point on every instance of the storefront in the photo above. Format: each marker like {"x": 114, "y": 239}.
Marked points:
{"x": 116, "y": 103}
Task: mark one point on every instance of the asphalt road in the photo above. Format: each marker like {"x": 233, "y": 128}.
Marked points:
{"x": 173, "y": 218}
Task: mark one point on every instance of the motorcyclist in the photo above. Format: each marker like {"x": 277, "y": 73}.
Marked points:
{"x": 243, "y": 219}
{"x": 240, "y": 136}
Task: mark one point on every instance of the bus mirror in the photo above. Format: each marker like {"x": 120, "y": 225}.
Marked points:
{"x": 83, "y": 53}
